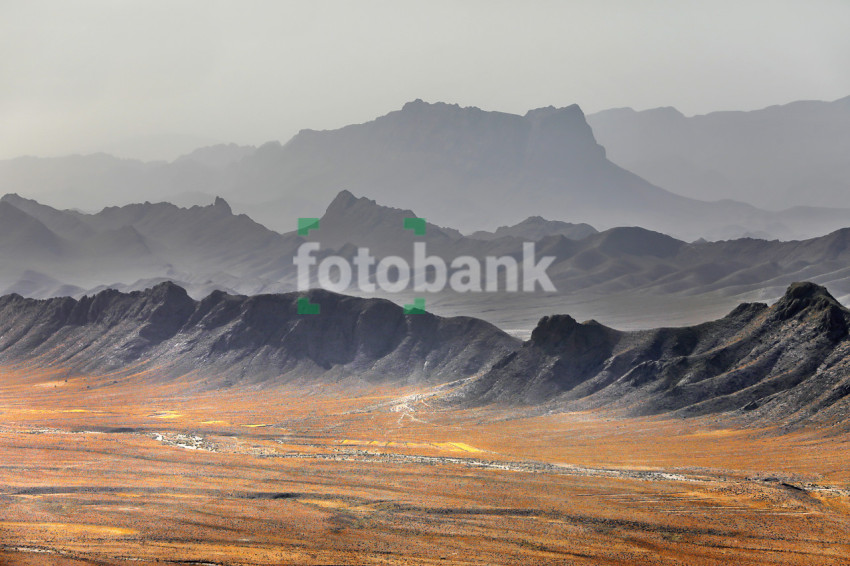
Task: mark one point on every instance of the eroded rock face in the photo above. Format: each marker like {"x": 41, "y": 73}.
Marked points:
{"x": 252, "y": 338}
{"x": 812, "y": 304}
{"x": 786, "y": 363}
{"x": 783, "y": 363}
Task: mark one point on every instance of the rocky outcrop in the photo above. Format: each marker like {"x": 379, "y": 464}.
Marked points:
{"x": 788, "y": 362}
{"x": 258, "y": 338}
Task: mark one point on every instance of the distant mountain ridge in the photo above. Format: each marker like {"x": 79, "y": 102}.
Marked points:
{"x": 360, "y": 221}
{"x": 47, "y": 252}
{"x": 468, "y": 168}
{"x": 794, "y": 154}
{"x": 208, "y": 247}
{"x": 462, "y": 167}
{"x": 535, "y": 227}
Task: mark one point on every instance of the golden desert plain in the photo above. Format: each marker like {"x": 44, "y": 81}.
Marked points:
{"x": 132, "y": 469}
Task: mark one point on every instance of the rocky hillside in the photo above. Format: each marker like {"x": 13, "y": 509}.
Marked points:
{"x": 239, "y": 339}
{"x": 783, "y": 363}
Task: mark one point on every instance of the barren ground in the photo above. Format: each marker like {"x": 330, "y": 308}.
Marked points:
{"x": 128, "y": 470}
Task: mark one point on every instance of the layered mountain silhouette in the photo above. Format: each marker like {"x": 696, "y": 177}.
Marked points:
{"x": 136, "y": 245}
{"x": 795, "y": 154}
{"x": 785, "y": 363}
{"x": 98, "y": 180}
{"x": 163, "y": 332}
{"x": 48, "y": 252}
{"x": 461, "y": 167}
{"x": 535, "y": 228}
{"x": 471, "y": 169}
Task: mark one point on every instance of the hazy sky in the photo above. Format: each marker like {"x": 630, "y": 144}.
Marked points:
{"x": 150, "y": 78}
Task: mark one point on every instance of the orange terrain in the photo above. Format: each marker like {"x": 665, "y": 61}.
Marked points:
{"x": 134, "y": 470}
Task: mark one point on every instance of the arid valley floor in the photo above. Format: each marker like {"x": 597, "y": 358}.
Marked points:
{"x": 123, "y": 469}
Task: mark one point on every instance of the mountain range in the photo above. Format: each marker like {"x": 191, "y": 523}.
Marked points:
{"x": 784, "y": 364}
{"x": 135, "y": 245}
{"x": 462, "y": 167}
{"x": 794, "y": 154}
{"x": 164, "y": 332}
{"x": 48, "y": 252}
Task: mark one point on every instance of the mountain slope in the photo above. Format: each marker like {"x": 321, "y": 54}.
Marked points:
{"x": 784, "y": 363}
{"x": 98, "y": 180}
{"x": 794, "y": 154}
{"x": 350, "y": 220}
{"x": 163, "y": 331}
{"x": 462, "y": 167}
{"x": 22, "y": 236}
{"x": 630, "y": 275}
{"x": 470, "y": 168}
{"x": 535, "y": 228}
{"x": 205, "y": 247}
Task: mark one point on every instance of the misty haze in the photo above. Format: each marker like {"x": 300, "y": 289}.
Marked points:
{"x": 424, "y": 282}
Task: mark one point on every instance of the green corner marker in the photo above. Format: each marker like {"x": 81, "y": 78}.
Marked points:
{"x": 307, "y": 224}
{"x": 306, "y": 307}
{"x": 418, "y": 307}
{"x": 415, "y": 224}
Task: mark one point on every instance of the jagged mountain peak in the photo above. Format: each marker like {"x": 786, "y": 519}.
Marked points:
{"x": 809, "y": 293}
{"x": 165, "y": 290}
{"x": 360, "y": 221}
{"x": 345, "y": 199}
{"x": 562, "y": 331}
{"x": 221, "y": 205}
{"x": 346, "y": 208}
{"x": 809, "y": 301}
{"x": 805, "y": 296}
{"x": 259, "y": 337}
{"x": 553, "y": 325}
{"x": 782, "y": 364}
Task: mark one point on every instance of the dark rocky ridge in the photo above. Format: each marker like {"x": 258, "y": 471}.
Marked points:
{"x": 256, "y": 338}
{"x": 786, "y": 363}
